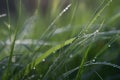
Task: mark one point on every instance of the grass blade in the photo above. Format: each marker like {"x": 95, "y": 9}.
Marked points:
{"x": 30, "y": 66}
{"x": 78, "y": 76}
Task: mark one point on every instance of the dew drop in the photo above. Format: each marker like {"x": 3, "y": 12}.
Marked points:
{"x": 97, "y": 31}
{"x": 64, "y": 10}
{"x": 93, "y": 60}
{"x": 43, "y": 60}
{"x": 109, "y": 45}
{"x": 34, "y": 68}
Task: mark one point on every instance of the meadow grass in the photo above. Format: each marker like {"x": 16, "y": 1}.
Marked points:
{"x": 79, "y": 42}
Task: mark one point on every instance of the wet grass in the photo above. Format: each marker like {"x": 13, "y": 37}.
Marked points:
{"x": 78, "y": 42}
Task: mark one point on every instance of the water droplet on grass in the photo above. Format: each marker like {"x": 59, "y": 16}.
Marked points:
{"x": 34, "y": 68}
{"x": 93, "y": 60}
{"x": 43, "y": 60}
{"x": 97, "y": 31}
{"x": 109, "y": 45}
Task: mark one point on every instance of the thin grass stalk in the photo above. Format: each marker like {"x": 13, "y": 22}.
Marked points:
{"x": 98, "y": 14}
{"x": 98, "y": 75}
{"x": 7, "y": 72}
{"x": 106, "y": 46}
{"x": 80, "y": 71}
{"x": 89, "y": 64}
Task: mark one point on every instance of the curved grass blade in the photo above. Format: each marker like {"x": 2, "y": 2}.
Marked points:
{"x": 30, "y": 66}
{"x": 103, "y": 63}
{"x": 78, "y": 76}
{"x": 27, "y": 69}
{"x": 89, "y": 64}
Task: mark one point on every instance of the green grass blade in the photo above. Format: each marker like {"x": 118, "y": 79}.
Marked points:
{"x": 98, "y": 14}
{"x": 89, "y": 64}
{"x": 7, "y": 72}
{"x": 78, "y": 76}
{"x": 103, "y": 63}
{"x": 30, "y": 66}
